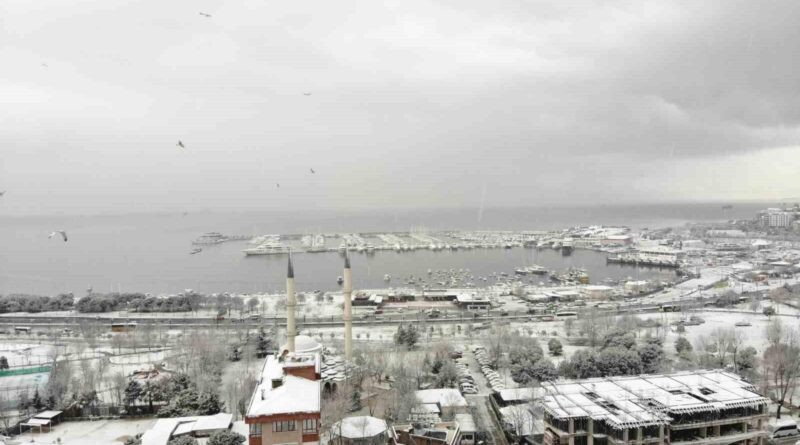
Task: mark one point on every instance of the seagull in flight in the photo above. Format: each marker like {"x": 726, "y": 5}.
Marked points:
{"x": 306, "y": 94}
{"x": 44, "y": 65}
{"x": 180, "y": 144}
{"x": 2, "y": 193}
{"x": 204, "y": 14}
{"x": 57, "y": 232}
{"x": 312, "y": 171}
{"x": 279, "y": 186}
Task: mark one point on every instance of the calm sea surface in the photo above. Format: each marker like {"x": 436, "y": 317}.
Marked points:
{"x": 150, "y": 252}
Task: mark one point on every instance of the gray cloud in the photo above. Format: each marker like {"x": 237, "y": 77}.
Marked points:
{"x": 416, "y": 102}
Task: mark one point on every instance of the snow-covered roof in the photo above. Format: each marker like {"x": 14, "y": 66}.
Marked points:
{"x": 359, "y": 427}
{"x": 164, "y": 429}
{"x": 634, "y": 401}
{"x": 444, "y": 397}
{"x": 520, "y": 394}
{"x": 291, "y": 395}
{"x": 48, "y": 414}
{"x": 303, "y": 344}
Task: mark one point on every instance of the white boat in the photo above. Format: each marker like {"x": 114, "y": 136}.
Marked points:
{"x": 267, "y": 249}
{"x": 387, "y": 277}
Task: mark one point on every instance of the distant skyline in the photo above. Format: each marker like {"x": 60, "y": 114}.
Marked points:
{"x": 447, "y": 103}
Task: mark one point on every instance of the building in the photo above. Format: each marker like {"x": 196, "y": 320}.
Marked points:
{"x": 443, "y": 433}
{"x": 775, "y": 217}
{"x": 597, "y": 292}
{"x": 165, "y": 430}
{"x": 446, "y": 402}
{"x": 361, "y": 430}
{"x": 693, "y": 407}
{"x": 285, "y": 406}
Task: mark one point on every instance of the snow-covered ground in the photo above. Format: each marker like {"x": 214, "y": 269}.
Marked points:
{"x": 112, "y": 432}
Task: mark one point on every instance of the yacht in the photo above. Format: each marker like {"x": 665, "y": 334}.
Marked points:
{"x": 267, "y": 249}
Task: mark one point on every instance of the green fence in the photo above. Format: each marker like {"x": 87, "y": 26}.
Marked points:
{"x": 24, "y": 371}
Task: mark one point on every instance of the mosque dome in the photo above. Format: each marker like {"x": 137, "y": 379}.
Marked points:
{"x": 304, "y": 344}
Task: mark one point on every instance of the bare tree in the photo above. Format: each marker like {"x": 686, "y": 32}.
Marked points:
{"x": 782, "y": 367}
{"x": 118, "y": 383}
{"x": 592, "y": 325}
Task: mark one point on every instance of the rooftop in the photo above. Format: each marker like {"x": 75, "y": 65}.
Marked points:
{"x": 360, "y": 427}
{"x": 291, "y": 395}
{"x": 444, "y": 397}
{"x": 164, "y": 429}
{"x": 634, "y": 401}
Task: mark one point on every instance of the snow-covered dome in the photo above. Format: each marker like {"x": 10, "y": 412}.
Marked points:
{"x": 304, "y": 344}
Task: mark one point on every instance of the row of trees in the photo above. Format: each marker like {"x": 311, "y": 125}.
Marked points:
{"x": 179, "y": 391}
{"x": 35, "y": 303}
{"x": 138, "y": 302}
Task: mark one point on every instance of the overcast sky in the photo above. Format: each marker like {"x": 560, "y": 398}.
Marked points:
{"x": 412, "y": 102}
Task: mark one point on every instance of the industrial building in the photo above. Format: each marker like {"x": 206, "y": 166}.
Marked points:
{"x": 693, "y": 407}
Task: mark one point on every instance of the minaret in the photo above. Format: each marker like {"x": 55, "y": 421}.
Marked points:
{"x": 347, "y": 293}
{"x": 291, "y": 302}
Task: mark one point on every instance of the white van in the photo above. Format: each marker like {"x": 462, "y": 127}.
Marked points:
{"x": 782, "y": 429}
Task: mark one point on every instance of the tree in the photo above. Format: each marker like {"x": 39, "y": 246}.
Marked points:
{"x": 447, "y": 376}
{"x": 683, "y": 346}
{"x": 651, "y": 354}
{"x": 355, "y": 400}
{"x": 235, "y": 354}
{"x": 543, "y": 370}
{"x": 618, "y": 339}
{"x": 183, "y": 440}
{"x": 407, "y": 336}
{"x": 746, "y": 363}
{"x": 3, "y": 362}
{"x": 36, "y": 401}
{"x": 555, "y": 347}
{"x": 569, "y": 325}
{"x": 132, "y": 393}
{"x": 225, "y": 437}
{"x": 208, "y": 403}
{"x": 782, "y": 367}
{"x": 769, "y": 311}
{"x": 618, "y": 361}
{"x": 264, "y": 343}
{"x": 252, "y": 304}
{"x": 592, "y": 324}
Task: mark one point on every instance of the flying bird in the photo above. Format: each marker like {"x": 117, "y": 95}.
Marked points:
{"x": 306, "y": 94}
{"x": 44, "y": 65}
{"x": 2, "y": 193}
{"x": 57, "y": 232}
{"x": 180, "y": 144}
{"x": 204, "y": 14}
{"x": 279, "y": 186}
{"x": 312, "y": 171}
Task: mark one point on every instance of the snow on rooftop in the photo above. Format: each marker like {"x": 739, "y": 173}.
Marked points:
{"x": 292, "y": 394}
{"x": 161, "y": 432}
{"x": 444, "y": 397}
{"x": 632, "y": 401}
{"x": 360, "y": 427}
{"x": 520, "y": 394}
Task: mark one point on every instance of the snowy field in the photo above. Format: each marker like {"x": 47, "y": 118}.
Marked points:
{"x": 111, "y": 432}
